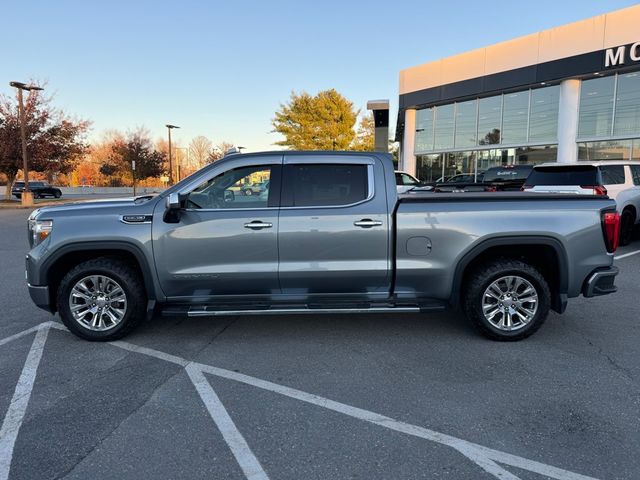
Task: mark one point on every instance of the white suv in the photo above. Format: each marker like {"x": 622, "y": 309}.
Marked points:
{"x": 618, "y": 179}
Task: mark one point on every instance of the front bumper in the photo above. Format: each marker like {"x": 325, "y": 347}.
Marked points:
{"x": 40, "y": 296}
{"x": 600, "y": 282}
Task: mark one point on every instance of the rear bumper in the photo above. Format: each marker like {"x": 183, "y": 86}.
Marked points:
{"x": 600, "y": 282}
{"x": 40, "y": 296}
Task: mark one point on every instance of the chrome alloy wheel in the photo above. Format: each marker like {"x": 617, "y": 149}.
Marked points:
{"x": 510, "y": 303}
{"x": 98, "y": 303}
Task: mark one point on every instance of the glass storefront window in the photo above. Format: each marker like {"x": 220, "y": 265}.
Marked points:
{"x": 635, "y": 152}
{"x": 429, "y": 167}
{"x": 459, "y": 163}
{"x": 489, "y": 115}
{"x": 444, "y": 127}
{"x": 609, "y": 150}
{"x": 424, "y": 130}
{"x": 466, "y": 114}
{"x": 596, "y": 107}
{"x": 543, "y": 119}
{"x": 515, "y": 117}
{"x": 536, "y": 155}
{"x": 627, "y": 118}
{"x": 432, "y": 168}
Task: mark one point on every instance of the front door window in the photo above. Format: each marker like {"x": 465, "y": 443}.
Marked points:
{"x": 244, "y": 187}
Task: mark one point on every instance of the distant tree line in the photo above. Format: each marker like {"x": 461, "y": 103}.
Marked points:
{"x": 59, "y": 150}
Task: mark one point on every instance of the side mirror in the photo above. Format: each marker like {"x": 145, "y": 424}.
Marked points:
{"x": 172, "y": 210}
{"x": 173, "y": 201}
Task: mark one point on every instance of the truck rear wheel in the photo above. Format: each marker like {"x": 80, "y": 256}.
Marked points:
{"x": 101, "y": 299}
{"x": 506, "y": 299}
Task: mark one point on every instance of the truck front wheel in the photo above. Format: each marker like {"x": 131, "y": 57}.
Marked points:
{"x": 101, "y": 299}
{"x": 506, "y": 299}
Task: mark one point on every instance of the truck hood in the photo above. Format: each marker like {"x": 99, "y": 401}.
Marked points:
{"x": 143, "y": 204}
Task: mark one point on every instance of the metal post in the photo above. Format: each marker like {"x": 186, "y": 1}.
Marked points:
{"x": 133, "y": 173}
{"x": 170, "y": 163}
{"x": 23, "y": 135}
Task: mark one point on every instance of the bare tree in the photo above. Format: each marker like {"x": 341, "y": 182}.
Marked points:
{"x": 199, "y": 150}
{"x": 219, "y": 150}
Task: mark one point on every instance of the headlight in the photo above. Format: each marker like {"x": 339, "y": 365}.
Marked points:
{"x": 40, "y": 230}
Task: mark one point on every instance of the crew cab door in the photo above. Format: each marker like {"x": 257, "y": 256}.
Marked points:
{"x": 225, "y": 241}
{"x": 334, "y": 226}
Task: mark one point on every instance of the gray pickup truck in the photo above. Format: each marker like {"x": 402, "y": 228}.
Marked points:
{"x": 328, "y": 235}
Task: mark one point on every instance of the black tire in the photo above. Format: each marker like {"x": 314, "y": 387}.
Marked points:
{"x": 36, "y": 195}
{"x": 483, "y": 276}
{"x": 57, "y": 194}
{"x": 627, "y": 221}
{"x": 126, "y": 276}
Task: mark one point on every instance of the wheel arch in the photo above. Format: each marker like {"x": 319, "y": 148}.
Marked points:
{"x": 546, "y": 253}
{"x": 70, "y": 255}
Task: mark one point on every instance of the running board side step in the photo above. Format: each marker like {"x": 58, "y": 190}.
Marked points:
{"x": 210, "y": 312}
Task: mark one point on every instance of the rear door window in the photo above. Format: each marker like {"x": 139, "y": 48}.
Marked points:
{"x": 612, "y": 174}
{"x": 320, "y": 185}
{"x": 569, "y": 175}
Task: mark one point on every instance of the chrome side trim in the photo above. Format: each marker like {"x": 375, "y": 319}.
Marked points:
{"x": 148, "y": 219}
{"x": 280, "y": 311}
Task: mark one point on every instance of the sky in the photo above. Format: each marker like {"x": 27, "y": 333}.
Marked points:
{"x": 221, "y": 69}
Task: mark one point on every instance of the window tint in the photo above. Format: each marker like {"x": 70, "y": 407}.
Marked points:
{"x": 635, "y": 174}
{"x": 612, "y": 174}
{"x": 325, "y": 185}
{"x": 570, "y": 175}
{"x": 245, "y": 187}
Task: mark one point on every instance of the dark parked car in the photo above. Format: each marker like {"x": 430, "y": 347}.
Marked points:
{"x": 39, "y": 190}
{"x": 505, "y": 178}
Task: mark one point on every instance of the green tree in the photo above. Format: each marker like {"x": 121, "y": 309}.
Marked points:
{"x": 322, "y": 122}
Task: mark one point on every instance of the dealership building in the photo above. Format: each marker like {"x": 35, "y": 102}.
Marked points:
{"x": 566, "y": 94}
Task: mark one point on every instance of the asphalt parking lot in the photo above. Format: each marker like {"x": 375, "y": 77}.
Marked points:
{"x": 319, "y": 397}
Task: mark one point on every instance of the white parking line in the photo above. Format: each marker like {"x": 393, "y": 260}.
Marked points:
{"x": 486, "y": 458}
{"x": 625, "y": 255}
{"x": 238, "y": 445}
{"x": 18, "y": 407}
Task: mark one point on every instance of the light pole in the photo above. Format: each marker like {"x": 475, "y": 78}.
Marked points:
{"x": 169, "y": 128}
{"x": 26, "y": 197}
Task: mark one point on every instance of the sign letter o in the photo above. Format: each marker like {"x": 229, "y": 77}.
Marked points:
{"x": 634, "y": 52}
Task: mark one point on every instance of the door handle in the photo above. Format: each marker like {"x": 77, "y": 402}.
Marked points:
{"x": 257, "y": 225}
{"x": 367, "y": 223}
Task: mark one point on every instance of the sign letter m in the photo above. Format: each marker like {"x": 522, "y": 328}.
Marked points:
{"x": 614, "y": 56}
